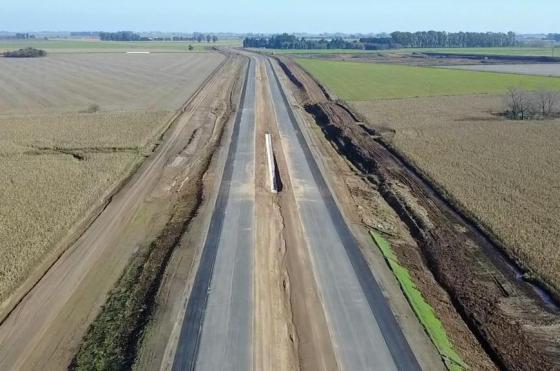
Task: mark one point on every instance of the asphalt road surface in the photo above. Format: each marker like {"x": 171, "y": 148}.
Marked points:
{"x": 216, "y": 333}
{"x": 364, "y": 331}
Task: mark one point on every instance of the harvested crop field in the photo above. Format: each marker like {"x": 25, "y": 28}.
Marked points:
{"x": 503, "y": 172}
{"x": 353, "y": 81}
{"x": 59, "y": 163}
{"x": 98, "y": 46}
{"x": 102, "y": 130}
{"x": 115, "y": 82}
{"x": 538, "y": 69}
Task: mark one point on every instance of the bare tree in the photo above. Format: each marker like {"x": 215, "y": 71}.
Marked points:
{"x": 524, "y": 105}
{"x": 517, "y": 104}
{"x": 545, "y": 102}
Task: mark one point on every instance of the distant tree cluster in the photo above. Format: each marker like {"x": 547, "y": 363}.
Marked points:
{"x": 131, "y": 36}
{"x": 424, "y": 39}
{"x": 121, "y": 36}
{"x": 377, "y": 43}
{"x": 198, "y": 37}
{"x": 553, "y": 36}
{"x": 24, "y": 36}
{"x": 527, "y": 105}
{"x": 286, "y": 41}
{"x": 17, "y": 36}
{"x": 436, "y": 39}
{"x": 84, "y": 34}
{"x": 25, "y": 53}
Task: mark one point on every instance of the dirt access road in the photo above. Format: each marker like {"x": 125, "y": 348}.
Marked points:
{"x": 45, "y": 328}
{"x": 252, "y": 305}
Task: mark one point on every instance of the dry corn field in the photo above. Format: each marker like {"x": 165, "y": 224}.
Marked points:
{"x": 114, "y": 81}
{"x": 57, "y": 162}
{"x": 101, "y": 130}
{"x": 506, "y": 173}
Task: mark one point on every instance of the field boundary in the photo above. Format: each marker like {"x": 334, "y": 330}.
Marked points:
{"x": 423, "y": 311}
{"x": 82, "y": 224}
{"x": 528, "y": 275}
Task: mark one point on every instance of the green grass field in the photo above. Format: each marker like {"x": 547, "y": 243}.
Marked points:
{"x": 354, "y": 81}
{"x": 68, "y": 46}
{"x": 517, "y": 51}
{"x": 421, "y": 308}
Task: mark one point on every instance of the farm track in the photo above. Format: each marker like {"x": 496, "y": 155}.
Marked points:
{"x": 517, "y": 329}
{"x": 71, "y": 292}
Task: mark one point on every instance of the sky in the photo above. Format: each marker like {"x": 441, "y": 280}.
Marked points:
{"x": 265, "y": 16}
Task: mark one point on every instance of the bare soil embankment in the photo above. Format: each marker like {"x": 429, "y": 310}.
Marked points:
{"x": 507, "y": 316}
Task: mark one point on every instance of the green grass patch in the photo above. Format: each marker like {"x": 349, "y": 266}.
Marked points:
{"x": 354, "y": 81}
{"x": 422, "y": 309}
{"x": 515, "y": 51}
{"x": 67, "y": 46}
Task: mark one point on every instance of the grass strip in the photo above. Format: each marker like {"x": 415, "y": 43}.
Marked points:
{"x": 421, "y": 308}
{"x": 357, "y": 81}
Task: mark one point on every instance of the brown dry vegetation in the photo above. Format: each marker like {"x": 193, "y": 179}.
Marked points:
{"x": 116, "y": 82}
{"x": 82, "y": 130}
{"x": 503, "y": 172}
{"x": 57, "y": 162}
{"x": 41, "y": 197}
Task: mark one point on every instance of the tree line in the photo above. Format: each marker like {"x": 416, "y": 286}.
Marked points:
{"x": 287, "y": 41}
{"x": 121, "y": 36}
{"x": 132, "y": 36}
{"x": 423, "y": 39}
{"x": 437, "y": 39}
